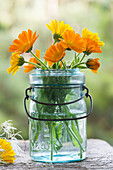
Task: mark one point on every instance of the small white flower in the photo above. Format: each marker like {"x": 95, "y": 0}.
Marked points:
{"x": 9, "y": 132}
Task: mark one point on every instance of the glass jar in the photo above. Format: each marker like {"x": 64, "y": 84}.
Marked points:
{"x": 57, "y": 136}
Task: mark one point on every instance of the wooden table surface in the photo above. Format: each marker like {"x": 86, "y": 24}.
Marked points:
{"x": 99, "y": 156}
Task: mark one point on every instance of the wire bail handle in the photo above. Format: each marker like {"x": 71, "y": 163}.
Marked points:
{"x": 86, "y": 94}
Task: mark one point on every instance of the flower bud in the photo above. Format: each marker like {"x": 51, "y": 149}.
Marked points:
{"x": 93, "y": 64}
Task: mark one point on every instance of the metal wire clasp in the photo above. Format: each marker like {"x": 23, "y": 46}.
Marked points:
{"x": 85, "y": 94}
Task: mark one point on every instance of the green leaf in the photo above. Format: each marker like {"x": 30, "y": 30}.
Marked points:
{"x": 54, "y": 66}
{"x": 76, "y": 132}
{"x": 74, "y": 141}
{"x": 58, "y": 147}
{"x": 54, "y": 134}
{"x": 58, "y": 131}
{"x": 82, "y": 67}
{"x": 45, "y": 62}
{"x": 58, "y": 136}
{"x": 78, "y": 59}
{"x": 59, "y": 66}
{"x": 75, "y": 57}
{"x": 73, "y": 136}
{"x": 73, "y": 63}
{"x": 68, "y": 97}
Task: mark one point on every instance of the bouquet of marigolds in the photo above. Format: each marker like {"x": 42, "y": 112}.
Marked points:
{"x": 64, "y": 39}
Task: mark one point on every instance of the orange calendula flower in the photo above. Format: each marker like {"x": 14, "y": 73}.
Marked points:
{"x": 30, "y": 67}
{"x": 24, "y": 42}
{"x": 73, "y": 41}
{"x": 16, "y": 62}
{"x": 93, "y": 36}
{"x": 93, "y": 42}
{"x": 55, "y": 53}
{"x": 7, "y": 154}
{"x": 93, "y": 64}
{"x": 91, "y": 47}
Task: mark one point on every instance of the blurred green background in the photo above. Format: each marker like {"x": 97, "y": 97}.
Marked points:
{"x": 19, "y": 15}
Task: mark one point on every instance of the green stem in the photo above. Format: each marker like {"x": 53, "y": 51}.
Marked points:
{"x": 75, "y": 66}
{"x": 39, "y": 60}
{"x": 63, "y": 64}
{"x": 54, "y": 42}
{"x": 72, "y": 62}
{"x": 70, "y": 131}
{"x": 51, "y": 138}
{"x": 77, "y": 124}
{"x": 75, "y": 57}
{"x": 80, "y": 153}
{"x": 36, "y": 65}
{"x": 57, "y": 65}
{"x": 82, "y": 58}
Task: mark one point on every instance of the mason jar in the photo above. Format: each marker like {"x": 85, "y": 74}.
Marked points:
{"x": 57, "y": 111}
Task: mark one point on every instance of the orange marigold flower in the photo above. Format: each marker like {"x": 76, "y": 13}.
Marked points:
{"x": 93, "y": 64}
{"x": 55, "y": 53}
{"x": 93, "y": 42}
{"x": 73, "y": 41}
{"x": 30, "y": 67}
{"x": 24, "y": 42}
{"x": 91, "y": 47}
{"x": 93, "y": 36}
{"x": 16, "y": 62}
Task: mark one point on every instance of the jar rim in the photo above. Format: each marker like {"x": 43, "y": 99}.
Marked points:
{"x": 56, "y": 71}
{"x": 74, "y": 74}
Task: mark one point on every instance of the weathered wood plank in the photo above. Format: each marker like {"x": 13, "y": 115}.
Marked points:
{"x": 99, "y": 156}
